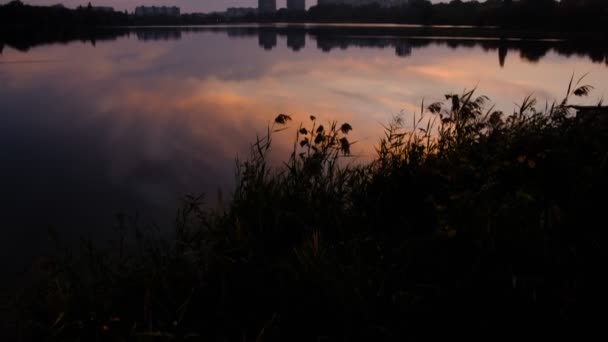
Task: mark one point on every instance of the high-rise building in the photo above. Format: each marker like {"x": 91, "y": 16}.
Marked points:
{"x": 296, "y": 5}
{"x": 267, "y": 6}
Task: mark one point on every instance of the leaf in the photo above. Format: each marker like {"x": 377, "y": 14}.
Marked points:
{"x": 320, "y": 129}
{"x": 525, "y": 196}
{"x": 281, "y": 119}
{"x": 319, "y": 138}
{"x": 435, "y": 108}
{"x": 495, "y": 118}
{"x": 581, "y": 78}
{"x": 455, "y": 103}
{"x": 58, "y": 320}
{"x": 345, "y": 128}
{"x": 303, "y": 131}
{"x": 583, "y": 90}
{"x": 313, "y": 118}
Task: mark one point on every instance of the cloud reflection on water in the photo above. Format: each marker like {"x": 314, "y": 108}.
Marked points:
{"x": 134, "y": 123}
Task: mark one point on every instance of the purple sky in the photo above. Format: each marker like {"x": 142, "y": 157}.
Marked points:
{"x": 185, "y": 5}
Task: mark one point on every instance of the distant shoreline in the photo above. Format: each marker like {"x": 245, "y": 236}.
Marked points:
{"x": 361, "y": 29}
{"x": 497, "y": 19}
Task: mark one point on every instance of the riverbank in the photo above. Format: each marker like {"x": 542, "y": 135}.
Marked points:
{"x": 468, "y": 219}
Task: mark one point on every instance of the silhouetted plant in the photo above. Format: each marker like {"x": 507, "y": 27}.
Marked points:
{"x": 466, "y": 215}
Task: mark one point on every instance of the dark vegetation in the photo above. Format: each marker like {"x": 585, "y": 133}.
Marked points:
{"x": 466, "y": 220}
{"x": 566, "y": 16}
{"x": 526, "y": 14}
{"x": 18, "y": 15}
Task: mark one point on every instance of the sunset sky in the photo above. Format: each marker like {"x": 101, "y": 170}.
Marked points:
{"x": 185, "y": 5}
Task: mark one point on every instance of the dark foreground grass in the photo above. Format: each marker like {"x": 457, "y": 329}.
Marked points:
{"x": 471, "y": 221}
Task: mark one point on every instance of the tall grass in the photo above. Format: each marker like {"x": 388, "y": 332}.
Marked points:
{"x": 469, "y": 219}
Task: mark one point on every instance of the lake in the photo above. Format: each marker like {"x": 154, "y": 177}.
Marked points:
{"x": 131, "y": 119}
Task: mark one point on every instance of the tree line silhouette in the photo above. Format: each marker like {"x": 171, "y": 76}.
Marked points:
{"x": 570, "y": 15}
{"x": 17, "y": 15}
{"x": 566, "y": 15}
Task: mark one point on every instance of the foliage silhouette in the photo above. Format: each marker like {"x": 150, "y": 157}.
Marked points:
{"x": 468, "y": 219}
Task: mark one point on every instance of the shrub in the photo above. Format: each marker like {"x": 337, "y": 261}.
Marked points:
{"x": 469, "y": 219}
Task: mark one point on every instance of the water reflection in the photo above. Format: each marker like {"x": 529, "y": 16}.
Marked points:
{"x": 267, "y": 39}
{"x": 296, "y": 39}
{"x": 158, "y": 34}
{"x": 328, "y": 39}
{"x": 130, "y": 119}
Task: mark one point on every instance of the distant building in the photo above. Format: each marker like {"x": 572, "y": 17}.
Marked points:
{"x": 267, "y": 6}
{"x": 235, "y": 12}
{"x": 150, "y": 11}
{"x": 296, "y": 5}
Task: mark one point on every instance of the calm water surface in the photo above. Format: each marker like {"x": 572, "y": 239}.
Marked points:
{"x": 130, "y": 121}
